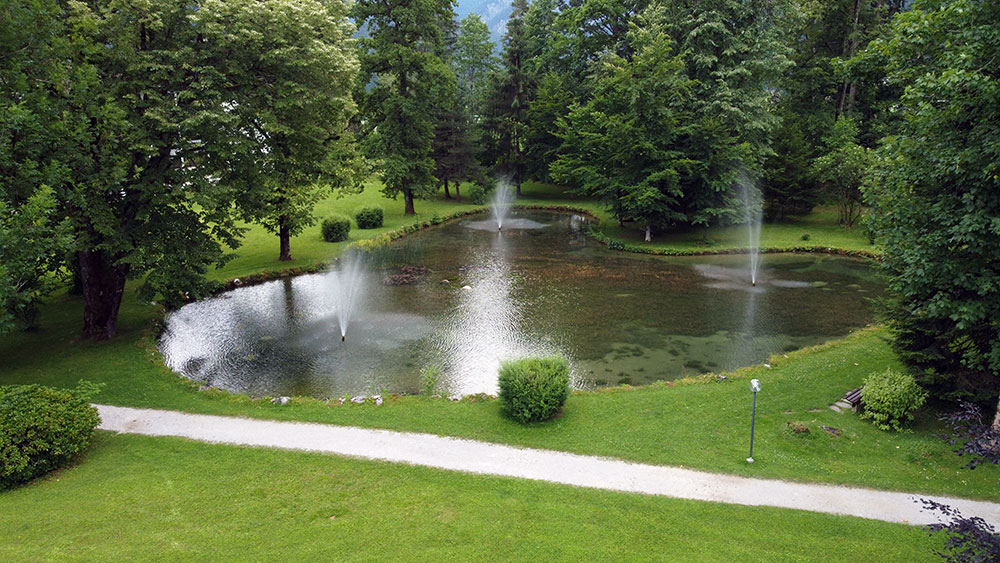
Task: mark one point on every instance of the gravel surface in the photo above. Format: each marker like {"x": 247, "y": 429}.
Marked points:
{"x": 542, "y": 465}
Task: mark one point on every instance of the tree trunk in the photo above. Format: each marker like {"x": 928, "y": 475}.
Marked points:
{"x": 103, "y": 286}
{"x": 408, "y": 198}
{"x": 649, "y": 235}
{"x": 849, "y": 88}
{"x": 285, "y": 239}
{"x": 996, "y": 419}
{"x": 447, "y": 194}
{"x": 458, "y": 191}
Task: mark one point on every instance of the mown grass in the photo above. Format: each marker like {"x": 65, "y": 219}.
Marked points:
{"x": 139, "y": 498}
{"x": 702, "y": 426}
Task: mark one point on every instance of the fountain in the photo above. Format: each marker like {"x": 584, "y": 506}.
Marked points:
{"x": 503, "y": 196}
{"x": 348, "y": 283}
{"x": 754, "y": 217}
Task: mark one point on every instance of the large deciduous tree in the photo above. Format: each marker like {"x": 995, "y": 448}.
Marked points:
{"x": 935, "y": 194}
{"x": 403, "y": 85}
{"x": 289, "y": 68}
{"x": 153, "y": 131}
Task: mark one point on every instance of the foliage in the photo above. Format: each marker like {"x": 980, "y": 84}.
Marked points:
{"x": 970, "y": 539}
{"x": 402, "y": 85}
{"x": 935, "y": 192}
{"x": 478, "y": 194}
{"x": 890, "y": 398}
{"x": 336, "y": 228}
{"x": 533, "y": 389}
{"x": 786, "y": 185}
{"x": 297, "y": 130}
{"x": 369, "y": 217}
{"x": 42, "y": 429}
{"x": 473, "y": 61}
{"x": 977, "y": 440}
{"x": 508, "y": 95}
{"x": 842, "y": 169}
{"x": 32, "y": 245}
{"x": 430, "y": 378}
{"x": 454, "y": 151}
{"x": 621, "y": 147}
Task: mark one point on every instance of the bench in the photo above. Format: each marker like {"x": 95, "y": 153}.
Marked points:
{"x": 853, "y": 398}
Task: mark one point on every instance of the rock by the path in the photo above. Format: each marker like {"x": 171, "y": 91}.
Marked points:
{"x": 281, "y": 400}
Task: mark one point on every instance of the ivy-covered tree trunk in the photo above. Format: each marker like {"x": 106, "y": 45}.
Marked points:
{"x": 103, "y": 287}
{"x": 285, "y": 239}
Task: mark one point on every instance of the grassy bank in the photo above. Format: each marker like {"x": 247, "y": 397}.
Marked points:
{"x": 137, "y": 498}
{"x": 695, "y": 424}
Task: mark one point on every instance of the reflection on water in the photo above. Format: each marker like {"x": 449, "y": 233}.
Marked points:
{"x": 538, "y": 287}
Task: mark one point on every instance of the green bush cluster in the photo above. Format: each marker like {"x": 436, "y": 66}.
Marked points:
{"x": 478, "y": 194}
{"x": 369, "y": 217}
{"x": 336, "y": 227}
{"x": 890, "y": 398}
{"x": 533, "y": 389}
{"x": 42, "y": 429}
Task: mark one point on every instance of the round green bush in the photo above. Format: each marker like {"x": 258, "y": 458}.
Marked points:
{"x": 478, "y": 194}
{"x": 42, "y": 429}
{"x": 890, "y": 398}
{"x": 533, "y": 389}
{"x": 336, "y": 228}
{"x": 369, "y": 217}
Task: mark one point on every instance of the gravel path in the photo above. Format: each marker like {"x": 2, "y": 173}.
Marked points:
{"x": 543, "y": 465}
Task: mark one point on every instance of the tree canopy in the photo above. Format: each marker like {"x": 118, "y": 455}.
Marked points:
{"x": 935, "y": 193}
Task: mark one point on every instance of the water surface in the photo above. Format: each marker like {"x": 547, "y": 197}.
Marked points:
{"x": 540, "y": 286}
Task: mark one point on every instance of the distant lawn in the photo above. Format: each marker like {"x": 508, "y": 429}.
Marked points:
{"x": 141, "y": 498}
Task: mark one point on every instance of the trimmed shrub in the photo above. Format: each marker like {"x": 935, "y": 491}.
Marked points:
{"x": 336, "y": 227}
{"x": 42, "y": 429}
{"x": 890, "y": 398}
{"x": 478, "y": 194}
{"x": 533, "y": 389}
{"x": 369, "y": 217}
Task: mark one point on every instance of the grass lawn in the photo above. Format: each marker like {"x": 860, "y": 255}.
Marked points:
{"x": 134, "y": 497}
{"x": 140, "y": 498}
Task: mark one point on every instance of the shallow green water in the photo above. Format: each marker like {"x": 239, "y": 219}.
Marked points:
{"x": 539, "y": 287}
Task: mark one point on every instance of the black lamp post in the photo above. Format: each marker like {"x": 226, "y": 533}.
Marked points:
{"x": 755, "y": 387}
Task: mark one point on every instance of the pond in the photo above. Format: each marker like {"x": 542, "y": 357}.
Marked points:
{"x": 463, "y": 296}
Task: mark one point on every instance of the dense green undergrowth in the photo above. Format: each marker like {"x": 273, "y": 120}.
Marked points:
{"x": 140, "y": 498}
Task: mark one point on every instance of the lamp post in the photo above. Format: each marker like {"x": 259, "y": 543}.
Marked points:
{"x": 754, "y": 387}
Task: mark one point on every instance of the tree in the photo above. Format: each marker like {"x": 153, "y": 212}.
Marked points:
{"x": 621, "y": 147}
{"x": 454, "y": 153}
{"x": 403, "y": 83}
{"x": 32, "y": 244}
{"x": 935, "y": 193}
{"x": 786, "y": 185}
{"x": 507, "y": 107}
{"x": 842, "y": 169}
{"x": 735, "y": 54}
{"x": 290, "y": 67}
{"x": 33, "y": 131}
{"x": 473, "y": 61}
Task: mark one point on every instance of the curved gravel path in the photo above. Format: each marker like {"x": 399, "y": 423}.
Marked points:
{"x": 543, "y": 465}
